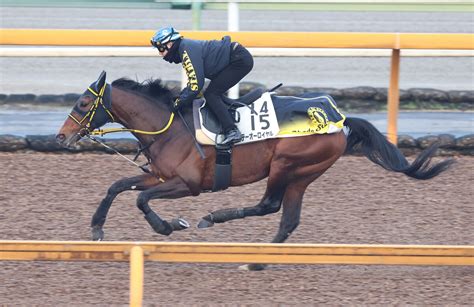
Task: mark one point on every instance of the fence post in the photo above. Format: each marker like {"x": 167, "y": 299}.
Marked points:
{"x": 393, "y": 97}
{"x": 136, "y": 276}
{"x": 196, "y": 7}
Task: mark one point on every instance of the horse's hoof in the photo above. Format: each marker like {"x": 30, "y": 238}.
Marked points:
{"x": 205, "y": 224}
{"x": 97, "y": 233}
{"x": 252, "y": 267}
{"x": 179, "y": 224}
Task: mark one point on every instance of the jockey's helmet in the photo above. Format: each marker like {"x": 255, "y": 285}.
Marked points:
{"x": 164, "y": 36}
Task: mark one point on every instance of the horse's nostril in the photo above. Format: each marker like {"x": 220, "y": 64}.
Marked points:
{"x": 60, "y": 138}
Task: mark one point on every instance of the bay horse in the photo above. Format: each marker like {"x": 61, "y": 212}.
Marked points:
{"x": 177, "y": 170}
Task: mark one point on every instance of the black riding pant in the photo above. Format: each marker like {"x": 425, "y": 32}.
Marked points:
{"x": 241, "y": 63}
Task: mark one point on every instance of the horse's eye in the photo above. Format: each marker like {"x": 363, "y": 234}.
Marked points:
{"x": 85, "y": 101}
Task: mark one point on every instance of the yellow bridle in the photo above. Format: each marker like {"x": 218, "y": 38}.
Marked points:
{"x": 92, "y": 111}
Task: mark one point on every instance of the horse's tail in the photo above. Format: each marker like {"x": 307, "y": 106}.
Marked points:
{"x": 364, "y": 136}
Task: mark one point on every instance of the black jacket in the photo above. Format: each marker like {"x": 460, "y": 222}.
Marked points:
{"x": 200, "y": 60}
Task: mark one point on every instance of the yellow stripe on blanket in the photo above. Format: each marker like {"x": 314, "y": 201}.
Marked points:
{"x": 304, "y": 116}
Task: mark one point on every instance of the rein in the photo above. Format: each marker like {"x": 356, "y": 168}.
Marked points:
{"x": 142, "y": 167}
{"x": 90, "y": 114}
{"x": 101, "y": 132}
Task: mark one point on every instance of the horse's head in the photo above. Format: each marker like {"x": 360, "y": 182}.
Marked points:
{"x": 91, "y": 111}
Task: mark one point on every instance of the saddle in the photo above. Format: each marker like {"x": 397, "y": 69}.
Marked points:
{"x": 261, "y": 115}
{"x": 245, "y": 99}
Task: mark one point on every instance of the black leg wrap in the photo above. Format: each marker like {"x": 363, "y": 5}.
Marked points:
{"x": 221, "y": 216}
{"x": 98, "y": 219}
{"x": 160, "y": 226}
{"x": 224, "y": 215}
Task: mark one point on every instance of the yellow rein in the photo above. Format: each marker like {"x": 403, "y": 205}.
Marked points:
{"x": 90, "y": 114}
{"x": 101, "y": 132}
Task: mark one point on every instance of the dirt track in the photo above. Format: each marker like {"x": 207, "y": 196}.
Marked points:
{"x": 53, "y": 196}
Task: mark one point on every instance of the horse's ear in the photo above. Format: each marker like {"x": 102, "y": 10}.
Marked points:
{"x": 101, "y": 81}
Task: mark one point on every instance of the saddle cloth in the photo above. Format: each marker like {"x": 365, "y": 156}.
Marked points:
{"x": 272, "y": 116}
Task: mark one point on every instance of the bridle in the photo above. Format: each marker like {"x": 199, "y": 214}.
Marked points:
{"x": 93, "y": 112}
{"x": 103, "y": 115}
{"x": 105, "y": 107}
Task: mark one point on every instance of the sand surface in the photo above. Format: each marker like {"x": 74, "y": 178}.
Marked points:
{"x": 53, "y": 196}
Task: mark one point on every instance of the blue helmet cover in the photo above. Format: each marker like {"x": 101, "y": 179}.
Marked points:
{"x": 165, "y": 35}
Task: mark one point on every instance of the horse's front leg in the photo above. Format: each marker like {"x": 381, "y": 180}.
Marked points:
{"x": 171, "y": 189}
{"x": 139, "y": 183}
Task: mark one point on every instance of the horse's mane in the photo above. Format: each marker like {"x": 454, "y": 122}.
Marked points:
{"x": 152, "y": 88}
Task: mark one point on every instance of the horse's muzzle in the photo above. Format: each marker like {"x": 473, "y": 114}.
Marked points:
{"x": 60, "y": 138}
{"x": 66, "y": 142}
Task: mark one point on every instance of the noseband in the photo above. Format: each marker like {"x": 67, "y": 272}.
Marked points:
{"x": 94, "y": 112}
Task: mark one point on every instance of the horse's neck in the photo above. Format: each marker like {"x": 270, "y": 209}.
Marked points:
{"x": 137, "y": 112}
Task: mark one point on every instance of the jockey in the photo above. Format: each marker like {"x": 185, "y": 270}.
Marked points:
{"x": 223, "y": 62}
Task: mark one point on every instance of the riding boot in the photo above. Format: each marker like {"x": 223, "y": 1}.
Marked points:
{"x": 232, "y": 136}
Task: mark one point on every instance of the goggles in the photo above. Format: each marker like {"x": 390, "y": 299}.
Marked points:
{"x": 160, "y": 47}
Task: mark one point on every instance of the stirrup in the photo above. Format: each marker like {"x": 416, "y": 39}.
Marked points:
{"x": 235, "y": 139}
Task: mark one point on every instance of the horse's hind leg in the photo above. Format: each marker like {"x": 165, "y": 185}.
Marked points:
{"x": 290, "y": 219}
{"x": 270, "y": 203}
{"x": 139, "y": 183}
